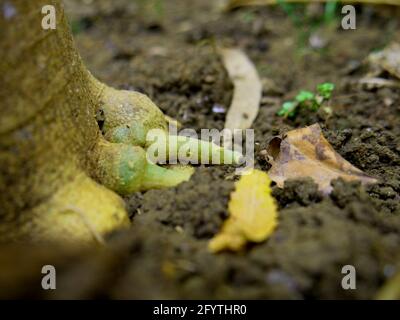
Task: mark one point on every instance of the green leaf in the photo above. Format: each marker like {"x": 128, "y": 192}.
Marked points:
{"x": 287, "y": 108}
{"x": 326, "y": 89}
{"x": 304, "y": 96}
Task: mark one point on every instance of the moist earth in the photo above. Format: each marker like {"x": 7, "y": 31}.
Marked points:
{"x": 168, "y": 50}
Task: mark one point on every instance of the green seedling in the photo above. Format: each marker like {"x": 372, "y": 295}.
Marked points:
{"x": 325, "y": 90}
{"x": 288, "y": 109}
{"x": 307, "y": 100}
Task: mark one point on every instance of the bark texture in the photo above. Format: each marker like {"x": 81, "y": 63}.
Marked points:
{"x": 47, "y": 131}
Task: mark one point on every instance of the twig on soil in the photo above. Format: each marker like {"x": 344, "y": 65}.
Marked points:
{"x": 373, "y": 83}
{"x": 247, "y": 92}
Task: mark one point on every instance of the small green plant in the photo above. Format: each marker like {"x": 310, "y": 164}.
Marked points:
{"x": 307, "y": 100}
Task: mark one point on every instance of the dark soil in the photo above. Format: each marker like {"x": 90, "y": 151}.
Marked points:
{"x": 168, "y": 52}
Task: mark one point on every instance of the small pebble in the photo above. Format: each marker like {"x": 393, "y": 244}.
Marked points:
{"x": 317, "y": 42}
{"x": 217, "y": 108}
{"x": 9, "y": 10}
{"x": 389, "y": 270}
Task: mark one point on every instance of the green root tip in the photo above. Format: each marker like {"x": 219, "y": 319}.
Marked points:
{"x": 231, "y": 157}
{"x": 157, "y": 177}
{"x": 205, "y": 152}
{"x": 190, "y": 150}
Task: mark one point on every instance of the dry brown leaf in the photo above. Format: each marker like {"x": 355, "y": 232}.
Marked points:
{"x": 306, "y": 153}
{"x": 247, "y": 89}
{"x": 232, "y": 4}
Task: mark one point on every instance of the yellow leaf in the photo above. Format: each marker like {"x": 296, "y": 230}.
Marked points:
{"x": 253, "y": 214}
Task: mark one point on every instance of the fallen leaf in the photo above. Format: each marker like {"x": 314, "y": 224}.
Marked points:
{"x": 233, "y": 4}
{"x": 306, "y": 153}
{"x": 247, "y": 89}
{"x": 253, "y": 214}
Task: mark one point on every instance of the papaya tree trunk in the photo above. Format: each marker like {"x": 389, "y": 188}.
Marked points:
{"x": 47, "y": 122}
{"x": 51, "y": 145}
